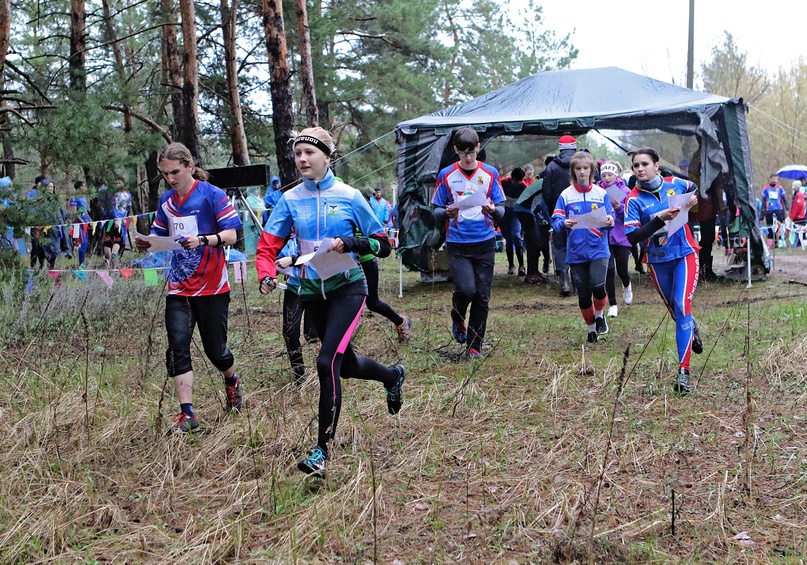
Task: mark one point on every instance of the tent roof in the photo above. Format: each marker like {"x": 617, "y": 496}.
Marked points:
{"x": 570, "y": 95}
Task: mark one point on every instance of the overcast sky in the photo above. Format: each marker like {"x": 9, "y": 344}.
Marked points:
{"x": 772, "y": 32}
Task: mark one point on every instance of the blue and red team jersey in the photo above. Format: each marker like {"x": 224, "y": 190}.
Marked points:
{"x": 641, "y": 206}
{"x": 584, "y": 244}
{"x": 204, "y": 210}
{"x": 471, "y": 225}
{"x": 772, "y": 196}
{"x": 316, "y": 210}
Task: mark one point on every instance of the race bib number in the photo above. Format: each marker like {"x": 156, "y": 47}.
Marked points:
{"x": 182, "y": 225}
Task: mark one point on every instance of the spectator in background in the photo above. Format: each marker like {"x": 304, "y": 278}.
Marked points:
{"x": 797, "y": 211}
{"x": 80, "y": 231}
{"x": 273, "y": 194}
{"x": 380, "y": 207}
{"x": 556, "y": 180}
{"x": 510, "y": 225}
{"x": 774, "y": 202}
{"x": 619, "y": 246}
{"x": 529, "y": 175}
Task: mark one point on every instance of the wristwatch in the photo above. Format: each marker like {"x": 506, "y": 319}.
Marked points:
{"x": 203, "y": 240}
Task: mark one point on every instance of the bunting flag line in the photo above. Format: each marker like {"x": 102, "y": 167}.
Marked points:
{"x": 104, "y": 276}
{"x": 126, "y": 272}
{"x": 240, "y": 269}
{"x": 150, "y": 276}
{"x": 81, "y": 275}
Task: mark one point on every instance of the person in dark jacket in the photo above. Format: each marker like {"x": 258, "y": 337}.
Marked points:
{"x": 556, "y": 179}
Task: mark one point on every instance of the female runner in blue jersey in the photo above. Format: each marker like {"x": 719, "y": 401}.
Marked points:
{"x": 672, "y": 258}
{"x": 202, "y": 220}
{"x": 587, "y": 251}
{"x": 319, "y": 208}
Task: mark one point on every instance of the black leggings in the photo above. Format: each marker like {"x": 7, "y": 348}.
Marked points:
{"x": 374, "y": 304}
{"x": 182, "y": 314}
{"x": 589, "y": 279}
{"x": 335, "y": 320}
{"x": 292, "y": 318}
{"x": 617, "y": 264}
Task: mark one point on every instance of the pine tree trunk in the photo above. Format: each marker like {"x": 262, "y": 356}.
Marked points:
{"x": 189, "y": 134}
{"x": 120, "y": 69}
{"x": 306, "y": 67}
{"x": 282, "y": 116}
{"x": 5, "y": 31}
{"x": 238, "y": 134}
{"x": 172, "y": 71}
{"x": 78, "y": 46}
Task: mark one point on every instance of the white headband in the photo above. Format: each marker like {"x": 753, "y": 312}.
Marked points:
{"x": 609, "y": 168}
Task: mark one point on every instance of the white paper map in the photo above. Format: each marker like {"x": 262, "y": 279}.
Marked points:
{"x": 591, "y": 220}
{"x": 478, "y": 198}
{"x": 614, "y": 193}
{"x": 327, "y": 264}
{"x": 681, "y": 201}
{"x": 160, "y": 243}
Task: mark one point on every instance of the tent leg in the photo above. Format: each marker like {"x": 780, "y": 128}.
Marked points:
{"x": 400, "y": 276}
{"x": 748, "y": 259}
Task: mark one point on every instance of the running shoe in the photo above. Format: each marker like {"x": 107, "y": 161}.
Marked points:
{"x": 613, "y": 311}
{"x": 395, "y": 392}
{"x": 459, "y": 332}
{"x": 697, "y": 343}
{"x": 184, "y": 424}
{"x": 522, "y": 272}
{"x": 474, "y": 354}
{"x": 602, "y": 325}
{"x": 627, "y": 294}
{"x": 681, "y": 385}
{"x": 234, "y": 398}
{"x": 314, "y": 464}
{"x": 404, "y": 330}
{"x": 511, "y": 270}
{"x": 592, "y": 337}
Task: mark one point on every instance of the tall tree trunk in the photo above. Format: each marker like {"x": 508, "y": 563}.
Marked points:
{"x": 238, "y": 134}
{"x": 282, "y": 117}
{"x": 5, "y": 31}
{"x": 306, "y": 67}
{"x": 5, "y": 133}
{"x": 78, "y": 46}
{"x": 189, "y": 134}
{"x": 172, "y": 70}
{"x": 120, "y": 68}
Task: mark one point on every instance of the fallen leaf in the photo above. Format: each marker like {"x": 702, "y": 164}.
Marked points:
{"x": 421, "y": 506}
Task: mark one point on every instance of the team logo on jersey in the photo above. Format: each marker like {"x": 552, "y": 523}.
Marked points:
{"x": 480, "y": 181}
{"x": 671, "y": 192}
{"x": 333, "y": 209}
{"x": 594, "y": 207}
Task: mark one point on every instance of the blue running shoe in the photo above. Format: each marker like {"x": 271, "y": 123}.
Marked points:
{"x": 395, "y": 392}
{"x": 459, "y": 332}
{"x": 474, "y": 354}
{"x": 314, "y": 464}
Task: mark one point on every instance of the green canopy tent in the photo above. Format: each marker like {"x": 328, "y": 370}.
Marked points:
{"x": 575, "y": 101}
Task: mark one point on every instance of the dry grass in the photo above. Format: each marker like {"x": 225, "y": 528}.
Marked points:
{"x": 542, "y": 452}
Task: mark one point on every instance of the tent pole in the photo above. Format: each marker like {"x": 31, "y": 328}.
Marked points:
{"x": 748, "y": 258}
{"x": 400, "y": 276}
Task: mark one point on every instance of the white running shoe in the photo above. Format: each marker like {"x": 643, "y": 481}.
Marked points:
{"x": 613, "y": 311}
{"x": 627, "y": 294}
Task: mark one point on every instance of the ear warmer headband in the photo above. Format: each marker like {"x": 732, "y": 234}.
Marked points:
{"x": 313, "y": 141}
{"x": 609, "y": 168}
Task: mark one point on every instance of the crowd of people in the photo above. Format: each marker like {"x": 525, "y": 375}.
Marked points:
{"x": 71, "y": 224}
{"x": 325, "y": 237}
{"x": 593, "y": 220}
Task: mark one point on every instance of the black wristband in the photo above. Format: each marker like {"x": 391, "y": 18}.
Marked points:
{"x": 203, "y": 240}
{"x": 218, "y": 240}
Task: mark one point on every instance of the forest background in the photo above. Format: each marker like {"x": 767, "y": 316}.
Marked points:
{"x": 91, "y": 90}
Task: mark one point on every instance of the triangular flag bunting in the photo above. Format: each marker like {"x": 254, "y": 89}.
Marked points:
{"x": 29, "y": 288}
{"x": 150, "y": 276}
{"x": 55, "y": 275}
{"x": 104, "y": 275}
{"x": 81, "y": 275}
{"x": 126, "y": 273}
{"x": 240, "y": 271}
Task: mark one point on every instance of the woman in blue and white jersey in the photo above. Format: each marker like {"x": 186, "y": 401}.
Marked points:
{"x": 672, "y": 258}
{"x": 325, "y": 211}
